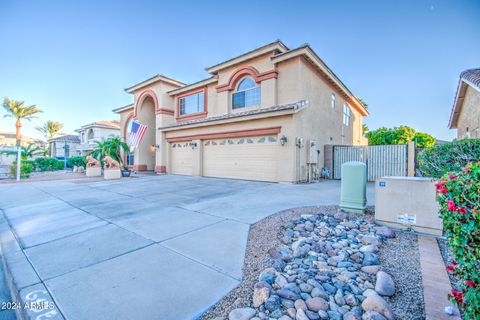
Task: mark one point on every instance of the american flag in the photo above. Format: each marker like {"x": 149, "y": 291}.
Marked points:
{"x": 136, "y": 134}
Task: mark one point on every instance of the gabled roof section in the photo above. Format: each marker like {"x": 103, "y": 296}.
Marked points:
{"x": 154, "y": 79}
{"x": 470, "y": 77}
{"x": 124, "y": 108}
{"x": 194, "y": 85}
{"x": 276, "y": 46}
{"x": 307, "y": 52}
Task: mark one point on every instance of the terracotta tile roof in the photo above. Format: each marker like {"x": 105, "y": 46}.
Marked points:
{"x": 472, "y": 76}
{"x": 290, "y": 106}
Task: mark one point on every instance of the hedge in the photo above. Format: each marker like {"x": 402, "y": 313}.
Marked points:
{"x": 26, "y": 167}
{"x": 458, "y": 195}
{"x": 448, "y": 157}
{"x": 76, "y": 161}
{"x": 48, "y": 164}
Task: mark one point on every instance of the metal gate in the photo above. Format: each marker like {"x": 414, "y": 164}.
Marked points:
{"x": 383, "y": 160}
{"x": 342, "y": 154}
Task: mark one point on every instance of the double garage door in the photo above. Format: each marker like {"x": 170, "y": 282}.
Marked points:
{"x": 251, "y": 158}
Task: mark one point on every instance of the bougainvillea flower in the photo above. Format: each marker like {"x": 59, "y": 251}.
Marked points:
{"x": 439, "y": 184}
{"x": 461, "y": 210}
{"x": 450, "y": 269}
{"x": 452, "y": 177}
{"x": 450, "y": 205}
{"x": 471, "y": 284}
{"x": 443, "y": 190}
{"x": 454, "y": 262}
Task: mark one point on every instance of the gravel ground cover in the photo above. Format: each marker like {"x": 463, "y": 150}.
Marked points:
{"x": 318, "y": 263}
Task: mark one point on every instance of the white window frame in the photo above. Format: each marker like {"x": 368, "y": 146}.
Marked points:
{"x": 346, "y": 115}
{"x": 333, "y": 100}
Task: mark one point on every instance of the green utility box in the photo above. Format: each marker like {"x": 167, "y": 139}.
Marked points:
{"x": 353, "y": 197}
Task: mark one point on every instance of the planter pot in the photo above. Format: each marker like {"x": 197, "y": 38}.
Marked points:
{"x": 126, "y": 173}
{"x": 110, "y": 174}
{"x": 94, "y": 171}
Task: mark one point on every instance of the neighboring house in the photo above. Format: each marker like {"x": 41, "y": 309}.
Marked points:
{"x": 465, "y": 115}
{"x": 8, "y": 142}
{"x": 64, "y": 146}
{"x": 8, "y": 138}
{"x": 264, "y": 115}
{"x": 96, "y": 131}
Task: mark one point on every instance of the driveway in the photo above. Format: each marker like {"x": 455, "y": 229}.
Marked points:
{"x": 153, "y": 247}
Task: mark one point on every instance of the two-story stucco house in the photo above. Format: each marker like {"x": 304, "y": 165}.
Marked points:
{"x": 96, "y": 131}
{"x": 465, "y": 116}
{"x": 264, "y": 115}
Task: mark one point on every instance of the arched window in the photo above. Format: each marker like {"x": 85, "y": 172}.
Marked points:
{"x": 247, "y": 94}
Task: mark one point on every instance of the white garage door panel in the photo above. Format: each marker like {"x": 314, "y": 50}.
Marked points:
{"x": 181, "y": 155}
{"x": 252, "y": 158}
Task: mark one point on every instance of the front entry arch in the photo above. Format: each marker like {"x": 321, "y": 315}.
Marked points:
{"x": 145, "y": 153}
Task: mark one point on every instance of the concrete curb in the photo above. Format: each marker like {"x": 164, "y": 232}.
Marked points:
{"x": 30, "y": 297}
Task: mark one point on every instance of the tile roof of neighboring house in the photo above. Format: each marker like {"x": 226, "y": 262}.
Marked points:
{"x": 12, "y": 135}
{"x": 470, "y": 77}
{"x": 290, "y": 106}
{"x": 68, "y": 137}
{"x": 109, "y": 124}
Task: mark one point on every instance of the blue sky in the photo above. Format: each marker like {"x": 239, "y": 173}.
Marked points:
{"x": 73, "y": 59}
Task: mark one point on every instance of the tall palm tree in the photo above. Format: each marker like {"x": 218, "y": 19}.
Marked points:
{"x": 17, "y": 109}
{"x": 50, "y": 129}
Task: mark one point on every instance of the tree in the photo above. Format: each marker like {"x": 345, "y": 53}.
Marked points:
{"x": 399, "y": 135}
{"x": 365, "y": 129}
{"x": 17, "y": 109}
{"x": 424, "y": 140}
{"x": 50, "y": 129}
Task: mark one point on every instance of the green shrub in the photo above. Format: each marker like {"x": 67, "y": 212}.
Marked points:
{"x": 76, "y": 161}
{"x": 459, "y": 196}
{"x": 449, "y": 157}
{"x": 49, "y": 164}
{"x": 26, "y": 168}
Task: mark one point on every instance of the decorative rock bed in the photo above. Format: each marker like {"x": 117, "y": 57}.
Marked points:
{"x": 327, "y": 267}
{"x": 322, "y": 266}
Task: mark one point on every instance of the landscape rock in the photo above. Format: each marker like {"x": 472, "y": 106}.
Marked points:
{"x": 316, "y": 304}
{"x": 261, "y": 292}
{"x": 376, "y": 303}
{"x": 241, "y": 314}
{"x": 384, "y": 285}
{"x": 386, "y": 232}
{"x": 301, "y": 315}
{"x": 373, "y": 315}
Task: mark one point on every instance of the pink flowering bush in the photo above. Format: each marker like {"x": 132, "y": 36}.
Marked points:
{"x": 458, "y": 195}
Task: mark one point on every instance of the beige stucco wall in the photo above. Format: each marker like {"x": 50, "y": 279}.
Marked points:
{"x": 470, "y": 115}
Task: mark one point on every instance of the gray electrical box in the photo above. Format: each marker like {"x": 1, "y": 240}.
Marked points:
{"x": 312, "y": 154}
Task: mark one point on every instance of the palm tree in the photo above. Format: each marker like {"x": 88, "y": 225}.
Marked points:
{"x": 111, "y": 147}
{"x": 51, "y": 129}
{"x": 17, "y": 109}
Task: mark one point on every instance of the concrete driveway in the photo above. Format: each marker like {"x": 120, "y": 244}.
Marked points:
{"x": 153, "y": 247}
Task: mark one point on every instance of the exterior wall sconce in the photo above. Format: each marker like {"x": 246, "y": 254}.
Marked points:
{"x": 131, "y": 148}
{"x": 299, "y": 142}
{"x": 283, "y": 140}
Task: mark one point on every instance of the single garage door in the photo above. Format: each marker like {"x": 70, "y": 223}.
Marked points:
{"x": 181, "y": 155}
{"x": 251, "y": 158}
